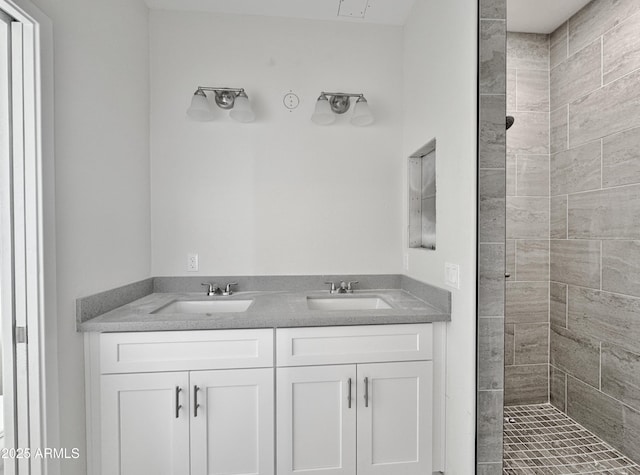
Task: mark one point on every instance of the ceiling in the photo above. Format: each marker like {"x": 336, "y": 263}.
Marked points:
{"x": 387, "y": 12}
{"x": 529, "y": 16}
{"x": 540, "y": 16}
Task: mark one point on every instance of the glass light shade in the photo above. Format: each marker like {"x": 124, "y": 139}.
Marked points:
{"x": 362, "y": 115}
{"x": 242, "y": 111}
{"x": 199, "y": 109}
{"x": 323, "y": 115}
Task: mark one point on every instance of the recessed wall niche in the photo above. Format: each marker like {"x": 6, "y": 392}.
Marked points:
{"x": 422, "y": 197}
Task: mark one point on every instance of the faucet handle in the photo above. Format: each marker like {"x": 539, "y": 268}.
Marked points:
{"x": 350, "y": 288}
{"x": 212, "y": 289}
{"x": 333, "y": 287}
{"x": 227, "y": 288}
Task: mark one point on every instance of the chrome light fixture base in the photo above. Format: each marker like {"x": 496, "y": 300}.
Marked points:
{"x": 225, "y": 98}
{"x": 330, "y": 103}
{"x": 340, "y": 103}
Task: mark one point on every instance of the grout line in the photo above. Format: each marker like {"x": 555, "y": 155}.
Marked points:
{"x": 600, "y": 372}
{"x": 602, "y": 60}
{"x": 601, "y": 264}
{"x": 566, "y": 305}
{"x": 567, "y": 144}
{"x": 601, "y": 163}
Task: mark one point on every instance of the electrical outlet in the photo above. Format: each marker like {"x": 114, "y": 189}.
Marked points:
{"x": 192, "y": 262}
{"x": 406, "y": 261}
{"x": 452, "y": 275}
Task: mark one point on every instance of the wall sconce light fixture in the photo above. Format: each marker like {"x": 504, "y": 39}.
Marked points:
{"x": 331, "y": 103}
{"x": 228, "y": 98}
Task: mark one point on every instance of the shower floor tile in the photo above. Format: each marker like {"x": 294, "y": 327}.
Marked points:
{"x": 539, "y": 439}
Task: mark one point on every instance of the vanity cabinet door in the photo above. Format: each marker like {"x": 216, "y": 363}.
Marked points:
{"x": 394, "y": 418}
{"x": 145, "y": 424}
{"x": 316, "y": 422}
{"x": 232, "y": 426}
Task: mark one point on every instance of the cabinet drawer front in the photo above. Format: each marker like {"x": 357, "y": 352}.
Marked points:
{"x": 188, "y": 350}
{"x": 353, "y": 344}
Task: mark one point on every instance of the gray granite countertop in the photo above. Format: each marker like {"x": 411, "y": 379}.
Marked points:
{"x": 269, "y": 309}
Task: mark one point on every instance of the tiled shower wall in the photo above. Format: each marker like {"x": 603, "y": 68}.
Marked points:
{"x": 491, "y": 234}
{"x": 595, "y": 220}
{"x": 527, "y": 287}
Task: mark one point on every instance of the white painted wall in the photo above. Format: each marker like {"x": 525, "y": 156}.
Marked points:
{"x": 440, "y": 101}
{"x": 102, "y": 174}
{"x": 281, "y": 195}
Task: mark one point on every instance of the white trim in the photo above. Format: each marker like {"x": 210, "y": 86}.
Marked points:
{"x": 38, "y": 254}
{"x": 6, "y": 241}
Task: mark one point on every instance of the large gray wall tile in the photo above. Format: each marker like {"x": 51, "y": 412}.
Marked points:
{"x": 491, "y": 280}
{"x": 527, "y": 302}
{"x": 558, "y": 138}
{"x": 576, "y": 262}
{"x": 558, "y": 45}
{"x": 527, "y": 217}
{"x": 577, "y": 169}
{"x": 532, "y": 258}
{"x": 531, "y": 343}
{"x": 527, "y": 51}
{"x": 511, "y": 174}
{"x": 558, "y": 304}
{"x": 621, "y": 49}
{"x": 610, "y": 317}
{"x": 608, "y": 110}
{"x": 621, "y": 267}
{"x": 511, "y": 89}
{"x": 489, "y": 429}
{"x": 492, "y": 131}
{"x": 532, "y": 90}
{"x": 631, "y": 433}
{"x": 493, "y": 9}
{"x": 526, "y": 384}
{"x": 620, "y": 164}
{"x": 509, "y": 349}
{"x": 558, "y": 388}
{"x": 621, "y": 374}
{"x": 596, "y": 18}
{"x": 558, "y": 218}
{"x": 490, "y": 353}
{"x": 491, "y": 215}
{"x": 532, "y": 175}
{"x": 576, "y": 355}
{"x": 607, "y": 214}
{"x": 510, "y": 258}
{"x": 492, "y": 56}
{"x": 489, "y": 468}
{"x": 577, "y": 76}
{"x": 596, "y": 411}
{"x": 529, "y": 134}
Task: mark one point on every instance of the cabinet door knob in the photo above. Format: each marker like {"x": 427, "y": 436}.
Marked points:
{"x": 195, "y": 400}
{"x": 178, "y": 405}
{"x": 349, "y": 393}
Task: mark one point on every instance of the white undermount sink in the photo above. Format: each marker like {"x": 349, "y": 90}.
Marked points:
{"x": 346, "y": 303}
{"x": 205, "y": 306}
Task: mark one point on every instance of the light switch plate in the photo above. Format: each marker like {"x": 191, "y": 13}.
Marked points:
{"x": 452, "y": 275}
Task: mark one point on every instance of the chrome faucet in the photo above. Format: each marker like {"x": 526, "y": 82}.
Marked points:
{"x": 227, "y": 288}
{"x": 344, "y": 288}
{"x": 213, "y": 289}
